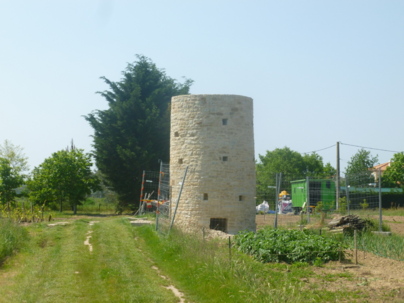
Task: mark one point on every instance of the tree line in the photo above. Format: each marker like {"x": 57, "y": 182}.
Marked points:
{"x": 359, "y": 171}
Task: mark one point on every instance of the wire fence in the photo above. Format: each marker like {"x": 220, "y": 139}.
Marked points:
{"x": 156, "y": 197}
{"x": 291, "y": 200}
{"x": 288, "y": 200}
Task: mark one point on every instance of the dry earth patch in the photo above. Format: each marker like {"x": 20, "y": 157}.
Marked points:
{"x": 377, "y": 279}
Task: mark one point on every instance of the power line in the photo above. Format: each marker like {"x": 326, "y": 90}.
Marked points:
{"x": 314, "y": 151}
{"x": 391, "y": 151}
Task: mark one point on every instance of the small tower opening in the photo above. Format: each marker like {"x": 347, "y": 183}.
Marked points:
{"x": 224, "y": 121}
{"x": 218, "y": 224}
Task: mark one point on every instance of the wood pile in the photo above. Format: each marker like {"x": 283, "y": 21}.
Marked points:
{"x": 345, "y": 223}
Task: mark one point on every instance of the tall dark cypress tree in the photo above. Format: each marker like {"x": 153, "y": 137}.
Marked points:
{"x": 134, "y": 132}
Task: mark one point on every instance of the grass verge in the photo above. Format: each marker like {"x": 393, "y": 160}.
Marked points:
{"x": 12, "y": 238}
{"x": 208, "y": 271}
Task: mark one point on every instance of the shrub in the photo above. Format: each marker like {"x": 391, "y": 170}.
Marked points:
{"x": 342, "y": 207}
{"x": 364, "y": 205}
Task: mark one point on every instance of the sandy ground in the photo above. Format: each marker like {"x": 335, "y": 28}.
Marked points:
{"x": 376, "y": 279}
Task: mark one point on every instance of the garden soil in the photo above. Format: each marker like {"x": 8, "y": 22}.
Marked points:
{"x": 376, "y": 279}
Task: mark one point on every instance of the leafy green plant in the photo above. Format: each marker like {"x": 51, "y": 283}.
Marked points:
{"x": 21, "y": 214}
{"x": 364, "y": 205}
{"x": 290, "y": 246}
{"x": 318, "y": 262}
{"x": 320, "y": 206}
{"x": 342, "y": 207}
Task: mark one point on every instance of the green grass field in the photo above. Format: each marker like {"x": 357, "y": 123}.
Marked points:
{"x": 135, "y": 264}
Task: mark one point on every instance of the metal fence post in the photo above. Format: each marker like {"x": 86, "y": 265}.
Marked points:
{"x": 347, "y": 194}
{"x": 178, "y": 199}
{"x": 380, "y": 200}
{"x": 308, "y": 199}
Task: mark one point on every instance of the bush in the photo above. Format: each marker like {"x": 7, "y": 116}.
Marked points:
{"x": 12, "y": 238}
{"x": 290, "y": 246}
{"x": 364, "y": 205}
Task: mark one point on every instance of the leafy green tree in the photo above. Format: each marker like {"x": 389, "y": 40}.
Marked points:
{"x": 279, "y": 160}
{"x": 313, "y": 165}
{"x": 329, "y": 171}
{"x": 134, "y": 132}
{"x": 14, "y": 154}
{"x": 291, "y": 164}
{"x": 10, "y": 179}
{"x": 65, "y": 176}
{"x": 394, "y": 174}
{"x": 358, "y": 170}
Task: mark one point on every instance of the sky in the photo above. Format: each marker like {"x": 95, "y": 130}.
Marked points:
{"x": 319, "y": 72}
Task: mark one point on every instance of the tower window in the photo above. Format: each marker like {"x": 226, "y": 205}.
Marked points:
{"x": 218, "y": 224}
{"x": 241, "y": 198}
{"x": 180, "y": 161}
{"x": 224, "y": 121}
{"x": 176, "y": 134}
{"x": 205, "y": 196}
{"x": 225, "y": 158}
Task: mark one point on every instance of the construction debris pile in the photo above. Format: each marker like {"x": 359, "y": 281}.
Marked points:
{"x": 349, "y": 223}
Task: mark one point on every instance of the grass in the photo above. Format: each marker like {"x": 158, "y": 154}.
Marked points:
{"x": 89, "y": 206}
{"x": 385, "y": 246}
{"x": 12, "y": 238}
{"x": 96, "y": 206}
{"x": 375, "y": 212}
{"x": 58, "y": 267}
{"x": 206, "y": 271}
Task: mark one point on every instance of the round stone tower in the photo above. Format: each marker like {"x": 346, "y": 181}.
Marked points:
{"x": 213, "y": 136}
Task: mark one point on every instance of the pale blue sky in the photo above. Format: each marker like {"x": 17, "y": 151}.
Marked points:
{"x": 319, "y": 71}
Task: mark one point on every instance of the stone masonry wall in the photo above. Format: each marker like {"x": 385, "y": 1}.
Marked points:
{"x": 213, "y": 135}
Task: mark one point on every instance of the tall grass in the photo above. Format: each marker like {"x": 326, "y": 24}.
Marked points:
{"x": 375, "y": 212}
{"x": 385, "y": 246}
{"x": 96, "y": 205}
{"x": 12, "y": 238}
{"x": 211, "y": 271}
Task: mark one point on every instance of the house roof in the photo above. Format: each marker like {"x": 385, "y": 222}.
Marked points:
{"x": 382, "y": 166}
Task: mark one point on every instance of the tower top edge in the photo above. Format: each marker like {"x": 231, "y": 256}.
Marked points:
{"x": 212, "y": 95}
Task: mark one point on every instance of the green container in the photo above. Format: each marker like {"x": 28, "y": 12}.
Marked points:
{"x": 318, "y": 190}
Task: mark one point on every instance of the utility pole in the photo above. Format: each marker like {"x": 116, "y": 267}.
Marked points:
{"x": 337, "y": 183}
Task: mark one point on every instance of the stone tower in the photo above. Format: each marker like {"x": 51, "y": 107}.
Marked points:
{"x": 213, "y": 135}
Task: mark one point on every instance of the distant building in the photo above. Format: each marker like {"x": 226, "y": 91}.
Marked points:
{"x": 379, "y": 169}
